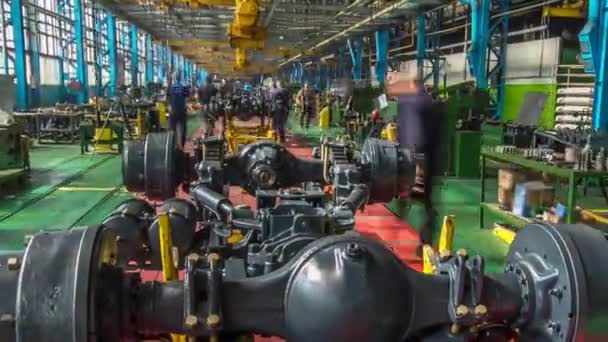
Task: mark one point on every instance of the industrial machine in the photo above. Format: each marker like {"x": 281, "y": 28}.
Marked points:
{"x": 239, "y": 110}
{"x": 338, "y": 288}
{"x": 292, "y": 208}
{"x": 14, "y": 144}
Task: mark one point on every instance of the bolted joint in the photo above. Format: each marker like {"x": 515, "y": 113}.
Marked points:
{"x": 480, "y": 310}
{"x": 462, "y": 311}
{"x": 213, "y": 257}
{"x": 354, "y": 251}
{"x": 462, "y": 252}
{"x": 213, "y": 321}
{"x": 191, "y": 321}
{"x": 193, "y": 257}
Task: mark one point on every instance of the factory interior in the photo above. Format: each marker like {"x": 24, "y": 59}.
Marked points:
{"x": 289, "y": 170}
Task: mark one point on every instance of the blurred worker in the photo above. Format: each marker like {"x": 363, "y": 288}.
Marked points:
{"x": 206, "y": 93}
{"x": 177, "y": 95}
{"x": 307, "y": 98}
{"x": 418, "y": 130}
{"x": 279, "y": 107}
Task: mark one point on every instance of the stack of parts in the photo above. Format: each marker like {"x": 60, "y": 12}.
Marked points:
{"x": 574, "y": 104}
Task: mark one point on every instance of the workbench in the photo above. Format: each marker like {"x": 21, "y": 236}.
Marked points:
{"x": 573, "y": 176}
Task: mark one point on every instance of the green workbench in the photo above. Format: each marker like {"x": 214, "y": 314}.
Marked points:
{"x": 573, "y": 177}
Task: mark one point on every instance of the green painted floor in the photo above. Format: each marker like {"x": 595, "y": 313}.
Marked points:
{"x": 64, "y": 189}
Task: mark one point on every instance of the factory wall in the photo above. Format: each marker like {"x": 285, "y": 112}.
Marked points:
{"x": 530, "y": 67}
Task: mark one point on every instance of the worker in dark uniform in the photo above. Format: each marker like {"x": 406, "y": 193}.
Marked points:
{"x": 418, "y": 130}
{"x": 279, "y": 107}
{"x": 307, "y": 98}
{"x": 206, "y": 93}
{"x": 177, "y": 95}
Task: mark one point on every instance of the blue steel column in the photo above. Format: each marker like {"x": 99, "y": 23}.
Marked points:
{"x": 112, "y": 54}
{"x": 34, "y": 53}
{"x": 356, "y": 54}
{"x": 134, "y": 55}
{"x": 480, "y": 27}
{"x": 20, "y": 61}
{"x": 594, "y": 52}
{"x": 81, "y": 64}
{"x": 381, "y": 56}
{"x": 421, "y": 44}
{"x": 149, "y": 59}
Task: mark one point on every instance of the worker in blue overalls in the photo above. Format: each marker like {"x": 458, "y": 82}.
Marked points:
{"x": 177, "y": 96}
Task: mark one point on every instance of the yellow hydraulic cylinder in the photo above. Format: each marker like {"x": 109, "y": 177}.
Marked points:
{"x": 103, "y": 139}
{"x": 428, "y": 257}
{"x": 166, "y": 257}
{"x": 446, "y": 238}
{"x": 391, "y": 132}
{"x": 324, "y": 117}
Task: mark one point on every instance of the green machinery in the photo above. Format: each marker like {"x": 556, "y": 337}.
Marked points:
{"x": 14, "y": 144}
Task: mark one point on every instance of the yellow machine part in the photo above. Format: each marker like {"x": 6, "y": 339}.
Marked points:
{"x": 446, "y": 238}
{"x": 167, "y": 253}
{"x": 103, "y": 138}
{"x": 389, "y": 132}
{"x": 505, "y": 234}
{"x": 239, "y": 135}
{"x": 324, "y": 116}
{"x": 241, "y": 58}
{"x": 161, "y": 107}
{"x": 446, "y": 241}
{"x": 576, "y": 10}
{"x": 246, "y": 13}
{"x": 235, "y": 237}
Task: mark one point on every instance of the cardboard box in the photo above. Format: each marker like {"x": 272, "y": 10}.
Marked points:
{"x": 505, "y": 199}
{"x": 508, "y": 178}
{"x": 530, "y": 196}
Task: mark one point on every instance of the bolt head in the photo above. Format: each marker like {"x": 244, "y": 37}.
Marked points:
{"x": 193, "y": 257}
{"x": 480, "y": 310}
{"x": 213, "y": 320}
{"x": 191, "y": 321}
{"x": 462, "y": 252}
{"x": 455, "y": 329}
{"x": 462, "y": 311}
{"x": 13, "y": 264}
{"x": 213, "y": 257}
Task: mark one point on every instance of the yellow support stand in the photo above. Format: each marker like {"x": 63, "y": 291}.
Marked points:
{"x": 162, "y": 113}
{"x": 391, "y": 132}
{"x": 446, "y": 242}
{"x": 324, "y": 118}
{"x": 446, "y": 238}
{"x": 428, "y": 260}
{"x": 103, "y": 136}
{"x": 166, "y": 256}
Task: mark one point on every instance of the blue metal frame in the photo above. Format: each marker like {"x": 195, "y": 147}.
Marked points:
{"x": 81, "y": 64}
{"x": 20, "y": 58}
{"x": 493, "y": 37}
{"x": 34, "y": 53}
{"x": 381, "y": 56}
{"x": 355, "y": 47}
{"x": 420, "y": 44}
{"x": 112, "y": 55}
{"x": 149, "y": 59}
{"x": 134, "y": 55}
{"x": 594, "y": 52}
